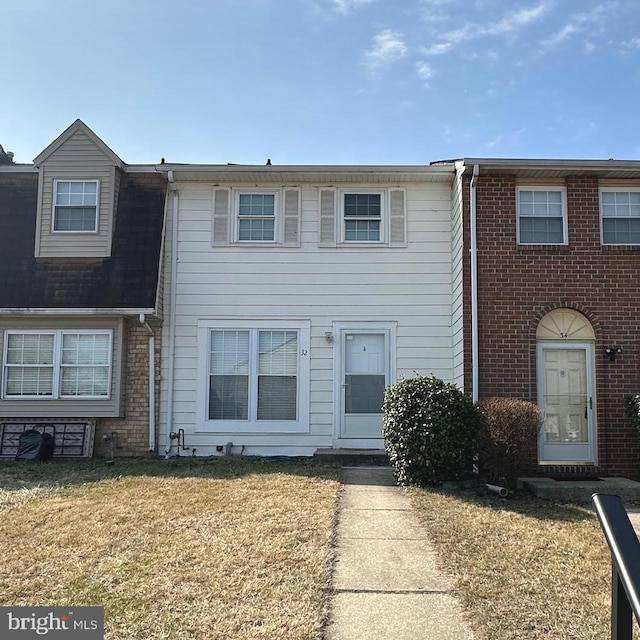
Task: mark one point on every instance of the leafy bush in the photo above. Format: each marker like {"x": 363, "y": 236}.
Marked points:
{"x": 430, "y": 431}
{"x": 632, "y": 410}
{"x": 508, "y": 438}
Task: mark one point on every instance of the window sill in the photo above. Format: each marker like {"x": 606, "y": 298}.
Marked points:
{"x": 252, "y": 428}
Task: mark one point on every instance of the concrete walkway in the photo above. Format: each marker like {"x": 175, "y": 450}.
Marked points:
{"x": 386, "y": 580}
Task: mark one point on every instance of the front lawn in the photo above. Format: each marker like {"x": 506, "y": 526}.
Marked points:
{"x": 524, "y": 568}
{"x": 172, "y": 549}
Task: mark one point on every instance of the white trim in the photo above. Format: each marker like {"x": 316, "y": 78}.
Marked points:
{"x": 56, "y": 364}
{"x": 390, "y": 330}
{"x": 54, "y": 204}
{"x": 588, "y": 347}
{"x": 565, "y": 228}
{"x": 384, "y": 216}
{"x": 300, "y": 425}
{"x": 602, "y": 190}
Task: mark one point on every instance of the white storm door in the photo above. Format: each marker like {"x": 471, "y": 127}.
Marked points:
{"x": 566, "y": 398}
{"x": 365, "y": 374}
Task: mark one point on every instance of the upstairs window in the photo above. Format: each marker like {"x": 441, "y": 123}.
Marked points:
{"x": 542, "y": 215}
{"x": 75, "y": 206}
{"x": 362, "y": 217}
{"x": 256, "y": 217}
{"x": 620, "y": 211}
{"x": 57, "y": 364}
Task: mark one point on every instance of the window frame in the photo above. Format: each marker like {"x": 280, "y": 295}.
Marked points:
{"x": 277, "y": 215}
{"x": 252, "y": 425}
{"x": 563, "y": 199}
{"x": 602, "y": 190}
{"x": 384, "y": 217}
{"x": 55, "y": 205}
{"x": 56, "y": 365}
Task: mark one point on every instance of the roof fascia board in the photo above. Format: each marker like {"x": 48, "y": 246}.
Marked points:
{"x": 541, "y": 163}
{"x": 18, "y": 168}
{"x": 101, "y": 311}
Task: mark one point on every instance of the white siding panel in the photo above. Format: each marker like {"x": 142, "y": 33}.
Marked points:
{"x": 409, "y": 286}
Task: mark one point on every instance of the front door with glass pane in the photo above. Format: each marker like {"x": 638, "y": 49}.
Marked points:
{"x": 565, "y": 396}
{"x": 365, "y": 373}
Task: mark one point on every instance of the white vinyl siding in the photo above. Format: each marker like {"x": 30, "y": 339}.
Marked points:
{"x": 408, "y": 284}
{"x": 620, "y": 215}
{"x": 542, "y": 215}
{"x": 57, "y": 364}
{"x": 75, "y": 206}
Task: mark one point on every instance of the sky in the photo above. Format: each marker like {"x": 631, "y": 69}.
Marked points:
{"x": 324, "y": 81}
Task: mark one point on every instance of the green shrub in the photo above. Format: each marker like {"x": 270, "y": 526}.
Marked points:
{"x": 430, "y": 431}
{"x": 508, "y": 439}
{"x": 632, "y": 410}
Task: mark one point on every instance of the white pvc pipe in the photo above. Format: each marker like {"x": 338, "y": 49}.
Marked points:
{"x": 501, "y": 491}
{"x": 474, "y": 285}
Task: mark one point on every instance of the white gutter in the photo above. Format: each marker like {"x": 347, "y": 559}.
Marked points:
{"x": 152, "y": 384}
{"x": 474, "y": 284}
{"x": 172, "y": 311}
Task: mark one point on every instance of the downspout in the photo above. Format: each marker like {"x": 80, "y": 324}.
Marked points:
{"x": 152, "y": 384}
{"x": 172, "y": 311}
{"x": 474, "y": 284}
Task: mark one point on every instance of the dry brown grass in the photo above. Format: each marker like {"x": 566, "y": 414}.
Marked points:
{"x": 220, "y": 550}
{"x": 524, "y": 568}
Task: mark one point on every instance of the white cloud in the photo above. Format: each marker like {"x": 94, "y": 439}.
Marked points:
{"x": 589, "y": 22}
{"x": 424, "y": 71}
{"x": 634, "y": 43}
{"x": 506, "y": 26}
{"x": 346, "y": 6}
{"x": 388, "y": 46}
{"x": 437, "y": 49}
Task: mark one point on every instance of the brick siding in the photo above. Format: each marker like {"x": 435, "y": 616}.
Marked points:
{"x": 517, "y": 285}
{"x": 132, "y": 430}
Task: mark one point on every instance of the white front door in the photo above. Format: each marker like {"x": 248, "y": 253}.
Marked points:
{"x": 566, "y": 398}
{"x": 365, "y": 374}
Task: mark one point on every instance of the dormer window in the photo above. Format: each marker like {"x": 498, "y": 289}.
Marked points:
{"x": 75, "y": 206}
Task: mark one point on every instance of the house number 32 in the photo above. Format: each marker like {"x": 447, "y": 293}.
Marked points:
{"x": 304, "y": 352}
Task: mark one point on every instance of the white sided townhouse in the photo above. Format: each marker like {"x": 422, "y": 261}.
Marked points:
{"x": 294, "y": 294}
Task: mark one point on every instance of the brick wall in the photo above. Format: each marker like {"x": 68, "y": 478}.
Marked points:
{"x": 133, "y": 428}
{"x": 517, "y": 285}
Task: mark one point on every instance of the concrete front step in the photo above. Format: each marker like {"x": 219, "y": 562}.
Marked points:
{"x": 353, "y": 457}
{"x": 581, "y": 490}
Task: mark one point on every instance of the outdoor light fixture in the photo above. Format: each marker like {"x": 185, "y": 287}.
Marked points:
{"x": 328, "y": 336}
{"x": 612, "y": 352}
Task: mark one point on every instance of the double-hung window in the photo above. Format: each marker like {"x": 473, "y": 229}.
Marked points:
{"x": 75, "y": 205}
{"x": 542, "y": 215}
{"x": 57, "y": 364}
{"x": 620, "y": 211}
{"x": 256, "y": 375}
{"x": 257, "y": 217}
{"x": 362, "y": 217}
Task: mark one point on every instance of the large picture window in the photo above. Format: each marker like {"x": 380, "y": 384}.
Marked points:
{"x": 75, "y": 205}
{"x": 57, "y": 364}
{"x": 255, "y": 375}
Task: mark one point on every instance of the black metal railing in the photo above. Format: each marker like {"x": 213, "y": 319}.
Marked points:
{"x": 625, "y": 563}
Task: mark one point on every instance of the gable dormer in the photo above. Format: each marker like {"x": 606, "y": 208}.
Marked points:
{"x": 78, "y": 186}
